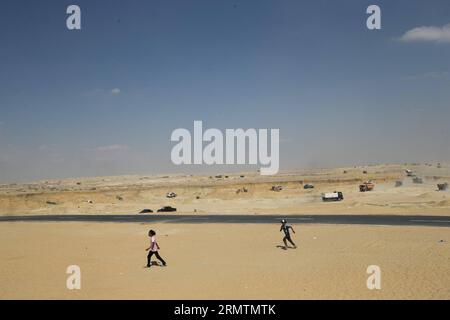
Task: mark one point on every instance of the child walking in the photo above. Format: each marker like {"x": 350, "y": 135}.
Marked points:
{"x": 153, "y": 249}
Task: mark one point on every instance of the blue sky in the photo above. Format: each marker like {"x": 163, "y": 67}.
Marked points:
{"x": 104, "y": 100}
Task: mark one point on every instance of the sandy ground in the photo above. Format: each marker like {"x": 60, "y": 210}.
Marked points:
{"x": 205, "y": 194}
{"x": 222, "y": 261}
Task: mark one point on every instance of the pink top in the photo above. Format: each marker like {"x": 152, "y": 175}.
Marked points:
{"x": 154, "y": 246}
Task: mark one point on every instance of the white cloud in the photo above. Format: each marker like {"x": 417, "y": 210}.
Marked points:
{"x": 429, "y": 75}
{"x": 43, "y": 147}
{"x": 427, "y": 34}
{"x": 115, "y": 91}
{"x": 113, "y": 147}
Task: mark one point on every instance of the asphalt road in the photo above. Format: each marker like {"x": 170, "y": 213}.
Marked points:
{"x": 392, "y": 220}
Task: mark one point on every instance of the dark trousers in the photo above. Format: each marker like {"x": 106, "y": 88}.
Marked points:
{"x": 288, "y": 238}
{"x": 149, "y": 257}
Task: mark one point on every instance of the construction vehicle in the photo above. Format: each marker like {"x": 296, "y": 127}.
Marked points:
{"x": 366, "y": 186}
{"x": 442, "y": 186}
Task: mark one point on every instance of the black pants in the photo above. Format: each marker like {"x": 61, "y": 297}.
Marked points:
{"x": 149, "y": 257}
{"x": 288, "y": 238}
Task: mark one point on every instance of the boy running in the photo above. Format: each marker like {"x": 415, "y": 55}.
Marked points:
{"x": 287, "y": 236}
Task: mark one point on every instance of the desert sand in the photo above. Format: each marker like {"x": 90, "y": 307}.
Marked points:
{"x": 226, "y": 260}
{"x": 211, "y": 194}
{"x": 222, "y": 261}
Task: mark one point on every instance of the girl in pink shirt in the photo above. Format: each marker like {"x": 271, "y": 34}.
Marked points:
{"x": 153, "y": 249}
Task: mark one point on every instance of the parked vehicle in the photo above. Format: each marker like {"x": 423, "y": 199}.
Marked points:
{"x": 276, "y": 188}
{"x": 442, "y": 186}
{"x": 308, "y": 186}
{"x": 167, "y": 209}
{"x": 417, "y": 180}
{"x": 409, "y": 173}
{"x": 146, "y": 211}
{"x": 171, "y": 195}
{"x": 333, "y": 196}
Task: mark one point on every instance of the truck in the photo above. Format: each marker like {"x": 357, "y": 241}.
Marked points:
{"x": 333, "y": 196}
{"x": 366, "y": 186}
{"x": 442, "y": 186}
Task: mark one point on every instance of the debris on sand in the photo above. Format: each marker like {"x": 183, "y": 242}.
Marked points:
{"x": 53, "y": 203}
{"x": 119, "y": 198}
{"x": 276, "y": 188}
{"x": 244, "y": 189}
{"x": 398, "y": 183}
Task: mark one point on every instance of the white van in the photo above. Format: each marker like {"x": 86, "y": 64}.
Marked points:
{"x": 333, "y": 196}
